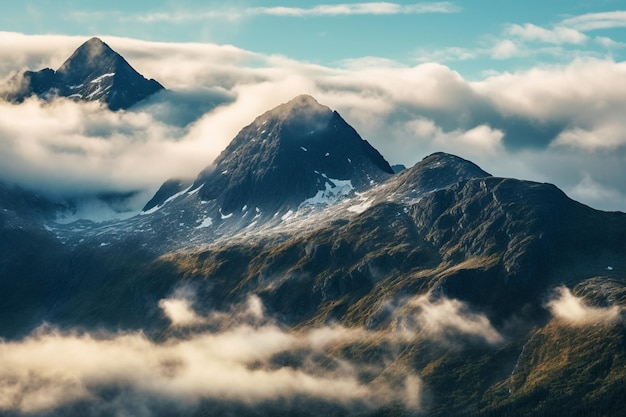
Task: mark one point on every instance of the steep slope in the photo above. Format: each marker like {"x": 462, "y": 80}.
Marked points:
{"x": 94, "y": 72}
{"x": 299, "y": 157}
{"x": 300, "y": 150}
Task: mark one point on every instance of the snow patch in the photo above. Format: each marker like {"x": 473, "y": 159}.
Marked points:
{"x": 174, "y": 197}
{"x": 333, "y": 191}
{"x": 102, "y": 77}
{"x": 195, "y": 191}
{"x": 207, "y": 222}
{"x": 225, "y": 216}
{"x": 287, "y": 215}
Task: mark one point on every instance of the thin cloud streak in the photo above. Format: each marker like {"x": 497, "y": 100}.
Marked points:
{"x": 595, "y": 21}
{"x": 329, "y": 10}
{"x": 558, "y": 35}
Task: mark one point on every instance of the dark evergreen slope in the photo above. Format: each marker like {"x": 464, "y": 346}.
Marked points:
{"x": 94, "y": 72}
{"x": 289, "y": 154}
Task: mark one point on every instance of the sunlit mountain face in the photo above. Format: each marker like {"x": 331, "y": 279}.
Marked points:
{"x": 297, "y": 274}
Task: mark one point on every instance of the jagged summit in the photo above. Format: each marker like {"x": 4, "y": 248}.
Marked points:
{"x": 300, "y": 152}
{"x": 94, "y": 72}
{"x": 290, "y": 154}
{"x": 92, "y": 55}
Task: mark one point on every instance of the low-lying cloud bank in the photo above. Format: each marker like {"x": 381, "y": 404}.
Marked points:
{"x": 252, "y": 362}
{"x": 560, "y": 124}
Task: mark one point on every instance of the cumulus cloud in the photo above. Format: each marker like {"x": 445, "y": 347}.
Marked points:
{"x": 505, "y": 122}
{"x": 566, "y": 306}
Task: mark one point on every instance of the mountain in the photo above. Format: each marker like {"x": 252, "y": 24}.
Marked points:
{"x": 298, "y": 152}
{"x": 94, "y": 72}
{"x": 331, "y": 285}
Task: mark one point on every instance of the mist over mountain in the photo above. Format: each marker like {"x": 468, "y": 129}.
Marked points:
{"x": 94, "y": 72}
{"x": 298, "y": 275}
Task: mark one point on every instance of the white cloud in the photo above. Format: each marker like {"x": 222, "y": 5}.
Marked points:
{"x": 606, "y": 136}
{"x": 331, "y": 10}
{"x": 572, "y": 309}
{"x": 180, "y": 312}
{"x": 595, "y": 193}
{"x": 51, "y": 369}
{"x": 505, "y": 49}
{"x": 445, "y": 319}
{"x": 557, "y": 35}
{"x": 594, "y": 21}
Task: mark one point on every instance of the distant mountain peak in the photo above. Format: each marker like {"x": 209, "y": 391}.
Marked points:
{"x": 90, "y": 53}
{"x": 299, "y": 106}
{"x": 94, "y": 72}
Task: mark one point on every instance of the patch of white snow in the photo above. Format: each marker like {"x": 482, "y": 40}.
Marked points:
{"x": 334, "y": 191}
{"x": 225, "y": 216}
{"x": 195, "y": 191}
{"x": 287, "y": 215}
{"x": 207, "y": 222}
{"x": 174, "y": 197}
{"x": 102, "y": 77}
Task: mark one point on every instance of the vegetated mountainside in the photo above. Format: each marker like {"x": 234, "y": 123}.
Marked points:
{"x": 499, "y": 246}
{"x": 479, "y": 295}
{"x": 94, "y": 72}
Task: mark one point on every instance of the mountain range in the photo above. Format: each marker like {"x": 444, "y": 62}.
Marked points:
{"x": 298, "y": 255}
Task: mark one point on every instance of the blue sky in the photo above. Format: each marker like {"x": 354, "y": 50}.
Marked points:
{"x": 472, "y": 37}
{"x": 533, "y": 90}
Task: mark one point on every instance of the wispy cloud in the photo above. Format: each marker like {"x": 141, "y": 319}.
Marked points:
{"x": 50, "y": 371}
{"x": 557, "y": 35}
{"x": 330, "y": 10}
{"x": 566, "y": 306}
{"x": 594, "y": 21}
